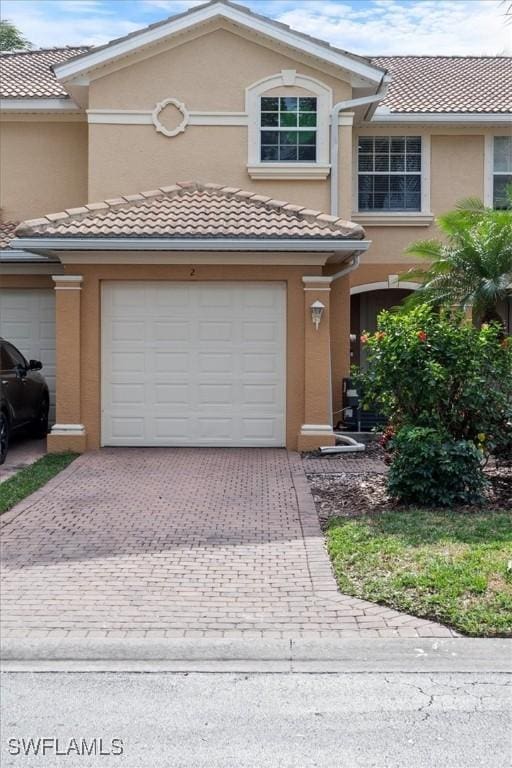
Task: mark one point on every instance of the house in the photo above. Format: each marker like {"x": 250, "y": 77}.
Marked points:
{"x": 210, "y": 205}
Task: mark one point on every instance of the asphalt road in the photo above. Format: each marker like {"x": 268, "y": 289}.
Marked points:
{"x": 179, "y": 720}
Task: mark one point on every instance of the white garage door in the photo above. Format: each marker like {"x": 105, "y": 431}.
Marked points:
{"x": 193, "y": 364}
{"x": 27, "y": 319}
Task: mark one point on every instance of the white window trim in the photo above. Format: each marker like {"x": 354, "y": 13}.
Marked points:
{"x": 310, "y": 170}
{"x": 489, "y": 172}
{"x": 422, "y": 218}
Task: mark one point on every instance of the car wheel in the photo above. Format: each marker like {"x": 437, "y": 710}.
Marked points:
{"x": 40, "y": 425}
{"x": 4, "y": 437}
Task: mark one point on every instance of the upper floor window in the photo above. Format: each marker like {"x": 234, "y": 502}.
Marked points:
{"x": 502, "y": 170}
{"x": 389, "y": 173}
{"x": 288, "y": 127}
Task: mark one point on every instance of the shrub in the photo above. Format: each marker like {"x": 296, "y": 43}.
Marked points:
{"x": 445, "y": 387}
{"x": 431, "y": 468}
{"x": 434, "y": 370}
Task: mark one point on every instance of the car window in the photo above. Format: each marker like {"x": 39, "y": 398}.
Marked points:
{"x": 6, "y": 364}
{"x": 14, "y": 357}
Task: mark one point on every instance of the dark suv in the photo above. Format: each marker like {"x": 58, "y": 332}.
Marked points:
{"x": 24, "y": 396}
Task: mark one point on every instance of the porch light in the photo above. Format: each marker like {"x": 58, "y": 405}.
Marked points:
{"x": 317, "y": 310}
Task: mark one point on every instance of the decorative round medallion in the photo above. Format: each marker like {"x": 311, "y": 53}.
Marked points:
{"x": 155, "y": 117}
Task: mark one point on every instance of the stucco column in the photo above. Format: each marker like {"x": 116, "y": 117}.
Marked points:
{"x": 345, "y": 149}
{"x": 68, "y": 434}
{"x": 317, "y": 427}
{"x": 340, "y": 341}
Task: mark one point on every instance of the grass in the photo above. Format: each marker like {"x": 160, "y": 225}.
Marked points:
{"x": 452, "y": 567}
{"x": 30, "y": 478}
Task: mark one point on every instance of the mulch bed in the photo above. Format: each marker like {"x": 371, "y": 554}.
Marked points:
{"x": 339, "y": 493}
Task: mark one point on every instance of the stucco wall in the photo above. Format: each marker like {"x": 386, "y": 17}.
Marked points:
{"x": 207, "y": 74}
{"x": 43, "y": 167}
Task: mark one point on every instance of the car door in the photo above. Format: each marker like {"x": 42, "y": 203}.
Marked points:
{"x": 12, "y": 383}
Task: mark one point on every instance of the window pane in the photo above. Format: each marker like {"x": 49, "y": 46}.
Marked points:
{"x": 381, "y": 183}
{"x": 269, "y": 153}
{"x": 365, "y": 144}
{"x": 287, "y": 154}
{"x": 366, "y": 162}
{"x": 397, "y": 144}
{"x": 288, "y": 119}
{"x": 307, "y": 104}
{"x": 307, "y": 154}
{"x": 413, "y": 202}
{"x": 382, "y": 144}
{"x": 382, "y": 162}
{"x": 501, "y": 183}
{"x": 397, "y": 163}
{"x": 269, "y": 105}
{"x": 269, "y": 119}
{"x": 413, "y": 163}
{"x": 288, "y": 137}
{"x": 270, "y": 137}
{"x": 307, "y": 119}
{"x": 503, "y": 154}
{"x": 412, "y": 183}
{"x": 288, "y": 104}
{"x": 397, "y": 183}
{"x": 307, "y": 137}
{"x": 379, "y": 201}
{"x": 413, "y": 144}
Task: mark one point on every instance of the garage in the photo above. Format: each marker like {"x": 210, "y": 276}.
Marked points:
{"x": 27, "y": 319}
{"x": 193, "y": 364}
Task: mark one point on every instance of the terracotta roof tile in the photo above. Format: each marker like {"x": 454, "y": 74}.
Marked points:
{"x": 27, "y": 74}
{"x": 7, "y": 232}
{"x": 448, "y": 83}
{"x": 193, "y": 210}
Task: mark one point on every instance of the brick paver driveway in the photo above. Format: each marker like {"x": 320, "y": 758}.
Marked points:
{"x": 179, "y": 542}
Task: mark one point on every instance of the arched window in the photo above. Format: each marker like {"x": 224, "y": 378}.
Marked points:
{"x": 288, "y": 127}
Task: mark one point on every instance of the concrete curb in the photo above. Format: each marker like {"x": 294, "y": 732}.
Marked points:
{"x": 409, "y": 655}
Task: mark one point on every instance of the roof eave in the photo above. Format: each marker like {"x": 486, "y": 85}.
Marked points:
{"x": 79, "y": 66}
{"x": 48, "y": 245}
{"x": 457, "y": 118}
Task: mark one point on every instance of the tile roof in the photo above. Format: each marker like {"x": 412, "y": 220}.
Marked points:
{"x": 448, "y": 83}
{"x": 7, "y": 233}
{"x": 192, "y": 210}
{"x": 27, "y": 74}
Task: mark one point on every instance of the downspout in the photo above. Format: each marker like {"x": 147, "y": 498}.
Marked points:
{"x": 335, "y": 111}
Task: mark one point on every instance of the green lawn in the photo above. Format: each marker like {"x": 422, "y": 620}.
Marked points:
{"x": 29, "y": 479}
{"x": 452, "y": 567}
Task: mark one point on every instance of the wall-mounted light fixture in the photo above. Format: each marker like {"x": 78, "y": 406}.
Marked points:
{"x": 317, "y": 310}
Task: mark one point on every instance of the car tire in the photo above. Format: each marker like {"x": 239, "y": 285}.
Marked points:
{"x": 40, "y": 425}
{"x": 4, "y": 436}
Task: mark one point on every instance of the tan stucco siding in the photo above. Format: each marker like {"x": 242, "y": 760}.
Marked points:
{"x": 203, "y": 153}
{"x": 208, "y": 73}
{"x": 43, "y": 168}
{"x": 457, "y": 170}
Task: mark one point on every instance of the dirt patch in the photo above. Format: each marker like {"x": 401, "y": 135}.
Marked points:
{"x": 349, "y": 494}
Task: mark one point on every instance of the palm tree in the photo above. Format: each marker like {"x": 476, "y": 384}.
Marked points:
{"x": 472, "y": 268}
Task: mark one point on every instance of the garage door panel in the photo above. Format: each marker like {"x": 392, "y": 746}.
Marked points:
{"x": 27, "y": 319}
{"x": 209, "y": 368}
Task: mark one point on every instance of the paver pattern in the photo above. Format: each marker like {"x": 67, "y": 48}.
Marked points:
{"x": 22, "y": 453}
{"x": 179, "y": 543}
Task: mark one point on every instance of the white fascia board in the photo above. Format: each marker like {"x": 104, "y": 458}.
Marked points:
{"x": 46, "y": 244}
{"x": 71, "y": 69}
{"x": 459, "y": 118}
{"x": 38, "y": 105}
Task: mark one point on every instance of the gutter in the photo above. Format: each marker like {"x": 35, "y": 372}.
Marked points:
{"x": 335, "y": 112}
{"x": 47, "y": 244}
